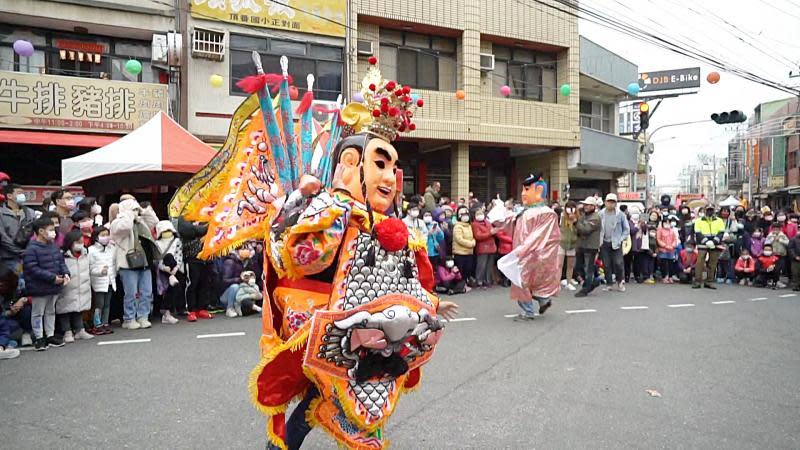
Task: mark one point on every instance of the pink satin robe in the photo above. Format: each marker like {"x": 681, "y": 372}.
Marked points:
{"x": 537, "y": 238}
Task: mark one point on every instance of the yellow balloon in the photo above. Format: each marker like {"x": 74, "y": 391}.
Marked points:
{"x": 216, "y": 81}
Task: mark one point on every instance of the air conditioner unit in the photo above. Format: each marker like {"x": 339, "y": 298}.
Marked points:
{"x": 158, "y": 49}
{"x": 487, "y": 62}
{"x": 364, "y": 47}
{"x": 208, "y": 44}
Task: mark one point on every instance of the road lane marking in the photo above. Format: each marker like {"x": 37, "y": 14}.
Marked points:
{"x": 206, "y": 336}
{"x": 628, "y": 308}
{"x": 759, "y": 299}
{"x": 127, "y": 341}
{"x": 579, "y": 311}
{"x": 681, "y": 305}
{"x": 723, "y": 302}
{"x": 461, "y": 319}
{"x": 787, "y": 295}
{"x": 508, "y": 316}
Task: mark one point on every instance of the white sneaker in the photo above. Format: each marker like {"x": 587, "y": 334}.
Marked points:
{"x": 26, "y": 340}
{"x": 83, "y": 335}
{"x": 238, "y": 308}
{"x": 256, "y": 308}
{"x": 621, "y": 286}
{"x": 144, "y": 323}
{"x": 780, "y": 285}
{"x": 570, "y": 287}
{"x": 573, "y": 282}
{"x": 607, "y": 288}
{"x": 131, "y": 325}
{"x": 8, "y": 353}
{"x": 230, "y": 312}
{"x": 564, "y": 282}
{"x": 168, "y": 318}
{"x": 68, "y": 337}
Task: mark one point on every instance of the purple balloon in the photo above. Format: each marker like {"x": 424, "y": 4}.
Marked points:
{"x": 23, "y": 48}
{"x": 358, "y": 98}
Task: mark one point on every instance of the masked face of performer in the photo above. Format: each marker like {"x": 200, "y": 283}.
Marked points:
{"x": 533, "y": 192}
{"x": 378, "y": 163}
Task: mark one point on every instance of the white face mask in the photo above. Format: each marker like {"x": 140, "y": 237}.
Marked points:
{"x": 414, "y": 213}
{"x": 781, "y": 218}
{"x": 480, "y": 217}
{"x": 449, "y": 264}
{"x": 465, "y": 218}
{"x": 52, "y": 207}
{"x": 104, "y": 240}
{"x": 668, "y": 225}
{"x": 69, "y": 204}
{"x": 251, "y": 281}
{"x": 77, "y": 248}
{"x": 427, "y": 219}
{"x": 96, "y": 209}
{"x": 20, "y": 199}
{"x": 51, "y": 235}
{"x": 767, "y": 252}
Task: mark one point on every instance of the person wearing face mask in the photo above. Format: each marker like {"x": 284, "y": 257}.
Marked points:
{"x": 745, "y": 268}
{"x": 708, "y": 232}
{"x": 76, "y": 296}
{"x": 103, "y": 272}
{"x": 435, "y": 236}
{"x": 485, "y": 248}
{"x": 667, "y": 244}
{"x": 235, "y": 263}
{"x": 685, "y": 225}
{"x": 779, "y": 243}
{"x": 449, "y": 279}
{"x": 15, "y": 227}
{"x": 569, "y": 237}
{"x": 45, "y": 273}
{"x": 757, "y": 243}
{"x": 790, "y": 230}
{"x": 414, "y": 222}
{"x": 767, "y": 218}
{"x": 588, "y": 229}
{"x": 65, "y": 207}
{"x": 615, "y": 230}
{"x": 170, "y": 281}
{"x": 464, "y": 245}
{"x": 85, "y": 224}
{"x": 794, "y": 261}
{"x": 248, "y": 296}
{"x": 767, "y": 270}
{"x": 687, "y": 260}
{"x": 727, "y": 258}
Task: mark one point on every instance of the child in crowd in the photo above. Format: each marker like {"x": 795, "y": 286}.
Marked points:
{"x": 449, "y": 279}
{"x": 76, "y": 296}
{"x": 757, "y": 243}
{"x": 171, "y": 280}
{"x": 745, "y": 268}
{"x": 8, "y": 326}
{"x": 248, "y": 296}
{"x": 85, "y": 224}
{"x": 667, "y": 243}
{"x": 768, "y": 272}
{"x": 687, "y": 261}
{"x": 103, "y": 270}
{"x": 435, "y": 236}
{"x": 569, "y": 237}
{"x": 45, "y": 275}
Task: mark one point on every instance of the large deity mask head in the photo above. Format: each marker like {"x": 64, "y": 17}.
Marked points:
{"x": 534, "y": 190}
{"x": 368, "y": 168}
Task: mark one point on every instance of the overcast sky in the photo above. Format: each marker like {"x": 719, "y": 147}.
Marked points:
{"x": 772, "y": 27}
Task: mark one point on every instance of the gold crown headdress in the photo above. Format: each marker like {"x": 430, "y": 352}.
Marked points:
{"x": 387, "y": 107}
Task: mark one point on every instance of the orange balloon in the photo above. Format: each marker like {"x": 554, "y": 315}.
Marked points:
{"x": 713, "y": 77}
{"x": 460, "y": 94}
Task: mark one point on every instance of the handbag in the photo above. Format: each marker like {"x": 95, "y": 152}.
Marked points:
{"x": 136, "y": 257}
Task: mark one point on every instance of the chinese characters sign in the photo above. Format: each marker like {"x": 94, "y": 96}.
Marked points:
{"x": 77, "y": 104}
{"x": 325, "y": 17}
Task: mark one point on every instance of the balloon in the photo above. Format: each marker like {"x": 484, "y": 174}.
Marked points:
{"x": 505, "y": 91}
{"x": 633, "y": 89}
{"x": 414, "y": 98}
{"x": 216, "y": 80}
{"x": 460, "y": 94}
{"x": 23, "y": 48}
{"x": 133, "y": 67}
{"x": 358, "y": 98}
{"x": 565, "y": 90}
{"x": 293, "y": 93}
{"x": 713, "y": 77}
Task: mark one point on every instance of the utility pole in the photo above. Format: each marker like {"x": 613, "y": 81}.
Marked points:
{"x": 714, "y": 178}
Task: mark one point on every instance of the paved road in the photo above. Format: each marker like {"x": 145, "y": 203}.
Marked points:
{"x": 725, "y": 362}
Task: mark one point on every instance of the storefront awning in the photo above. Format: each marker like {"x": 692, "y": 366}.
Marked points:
{"x": 160, "y": 145}
{"x": 58, "y": 139}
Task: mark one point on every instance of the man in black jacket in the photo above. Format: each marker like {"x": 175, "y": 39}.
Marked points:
{"x": 588, "y": 228}
{"x": 200, "y": 288}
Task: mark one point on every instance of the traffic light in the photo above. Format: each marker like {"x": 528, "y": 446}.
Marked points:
{"x": 644, "y": 116}
{"x": 729, "y": 117}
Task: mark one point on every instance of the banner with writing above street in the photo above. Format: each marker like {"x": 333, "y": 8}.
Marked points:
{"x": 326, "y": 17}
{"x": 665, "y": 80}
{"x": 53, "y": 102}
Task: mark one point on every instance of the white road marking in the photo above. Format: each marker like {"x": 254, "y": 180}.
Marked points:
{"x": 787, "y": 295}
{"x": 681, "y": 305}
{"x": 205, "y": 336}
{"x": 463, "y": 319}
{"x": 759, "y": 299}
{"x": 508, "y": 316}
{"x": 579, "y": 311}
{"x": 723, "y": 302}
{"x": 128, "y": 341}
{"x": 627, "y": 308}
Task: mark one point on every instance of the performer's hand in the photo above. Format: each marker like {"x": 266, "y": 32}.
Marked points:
{"x": 309, "y": 185}
{"x": 448, "y": 310}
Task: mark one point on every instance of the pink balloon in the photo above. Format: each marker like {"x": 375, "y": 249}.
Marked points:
{"x": 505, "y": 90}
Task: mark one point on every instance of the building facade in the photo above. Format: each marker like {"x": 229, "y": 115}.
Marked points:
{"x": 604, "y": 156}
{"x": 73, "y": 93}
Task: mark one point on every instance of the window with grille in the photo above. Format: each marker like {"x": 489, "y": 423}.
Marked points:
{"x": 530, "y": 74}
{"x": 418, "y": 60}
{"x": 208, "y": 44}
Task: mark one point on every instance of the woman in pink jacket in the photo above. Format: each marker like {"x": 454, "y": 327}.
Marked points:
{"x": 667, "y": 243}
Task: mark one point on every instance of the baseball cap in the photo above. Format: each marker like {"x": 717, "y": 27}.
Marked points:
{"x": 611, "y": 197}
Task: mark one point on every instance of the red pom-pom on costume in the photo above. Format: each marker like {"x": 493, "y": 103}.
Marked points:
{"x": 402, "y": 127}
{"x": 394, "y": 112}
{"x": 390, "y": 86}
{"x": 384, "y": 101}
{"x": 398, "y": 92}
{"x": 373, "y": 60}
{"x": 420, "y": 103}
{"x": 385, "y": 108}
{"x": 409, "y": 114}
{"x": 376, "y": 113}
{"x": 392, "y": 234}
{"x": 372, "y": 87}
{"x": 406, "y": 89}
{"x": 412, "y": 126}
